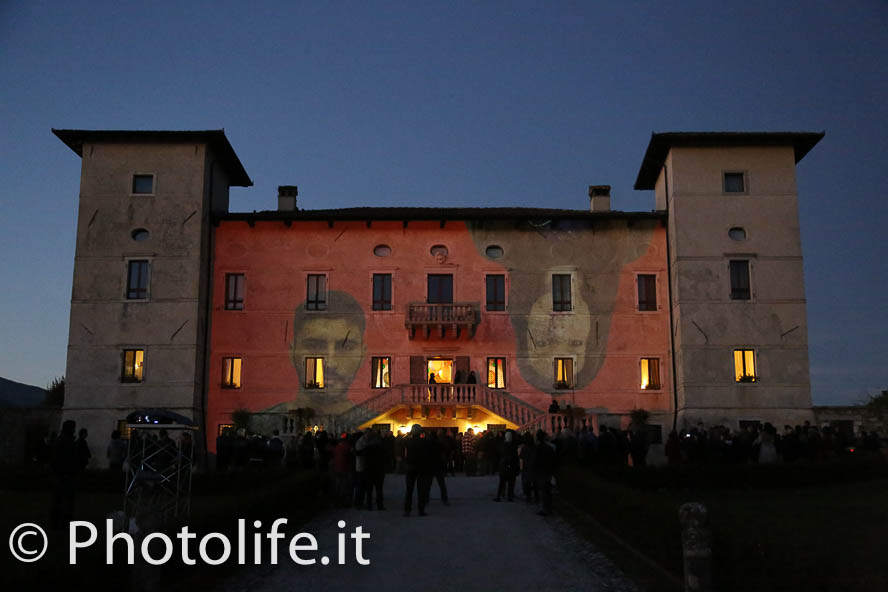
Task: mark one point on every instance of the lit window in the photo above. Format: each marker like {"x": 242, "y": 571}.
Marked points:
{"x": 137, "y": 280}
{"x": 231, "y": 372}
{"x": 740, "y": 280}
{"x": 744, "y": 365}
{"x": 561, "y": 292}
{"x": 143, "y": 184}
{"x": 496, "y": 373}
{"x": 381, "y": 373}
{"x": 234, "y": 291}
{"x": 563, "y": 373}
{"x": 735, "y": 183}
{"x": 382, "y": 291}
{"x": 224, "y": 426}
{"x": 647, "y": 292}
{"x": 496, "y": 292}
{"x": 133, "y": 365}
{"x": 316, "y": 298}
{"x": 650, "y": 373}
{"x": 124, "y": 429}
{"x": 314, "y": 373}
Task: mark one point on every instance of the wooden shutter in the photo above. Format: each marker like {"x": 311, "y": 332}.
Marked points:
{"x": 418, "y": 367}
{"x": 462, "y": 366}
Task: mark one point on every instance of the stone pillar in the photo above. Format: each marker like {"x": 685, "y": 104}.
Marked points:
{"x": 696, "y": 547}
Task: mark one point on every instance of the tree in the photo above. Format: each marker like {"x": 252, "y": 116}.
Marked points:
{"x": 241, "y": 419}
{"x": 878, "y": 405}
{"x": 55, "y": 392}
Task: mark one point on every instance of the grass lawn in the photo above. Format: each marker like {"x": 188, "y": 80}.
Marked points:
{"x": 828, "y": 533}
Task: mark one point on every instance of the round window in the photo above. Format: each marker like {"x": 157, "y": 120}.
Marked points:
{"x": 439, "y": 250}
{"x": 140, "y": 234}
{"x": 737, "y": 233}
{"x": 382, "y": 250}
{"x": 494, "y": 251}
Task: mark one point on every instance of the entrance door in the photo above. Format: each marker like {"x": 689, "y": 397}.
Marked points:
{"x": 440, "y": 288}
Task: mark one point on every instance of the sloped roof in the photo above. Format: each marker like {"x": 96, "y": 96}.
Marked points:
{"x": 237, "y": 175}
{"x": 659, "y": 146}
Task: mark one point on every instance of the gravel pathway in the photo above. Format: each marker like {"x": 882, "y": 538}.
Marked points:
{"x": 473, "y": 544}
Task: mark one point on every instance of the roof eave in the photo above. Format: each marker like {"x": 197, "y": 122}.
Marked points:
{"x": 660, "y": 144}
{"x": 216, "y": 139}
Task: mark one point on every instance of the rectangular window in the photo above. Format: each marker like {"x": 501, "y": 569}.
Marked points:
{"x": 744, "y": 365}
{"x": 440, "y": 288}
{"x": 137, "y": 280}
{"x": 496, "y": 373}
{"x": 133, "y": 365}
{"x": 650, "y": 373}
{"x": 231, "y": 372}
{"x": 561, "y": 292}
{"x": 234, "y": 291}
{"x": 381, "y": 373}
{"x": 223, "y": 427}
{"x": 314, "y": 373}
{"x": 124, "y": 429}
{"x": 735, "y": 183}
{"x": 382, "y": 291}
{"x": 647, "y": 292}
{"x": 564, "y": 373}
{"x": 143, "y": 184}
{"x": 496, "y": 292}
{"x": 316, "y": 297}
{"x": 740, "y": 280}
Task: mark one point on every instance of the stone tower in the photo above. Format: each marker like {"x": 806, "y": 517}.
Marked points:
{"x": 735, "y": 258}
{"x": 142, "y": 270}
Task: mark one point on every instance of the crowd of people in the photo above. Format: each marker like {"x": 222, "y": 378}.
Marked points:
{"x": 354, "y": 465}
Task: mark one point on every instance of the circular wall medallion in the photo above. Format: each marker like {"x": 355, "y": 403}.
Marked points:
{"x": 382, "y": 250}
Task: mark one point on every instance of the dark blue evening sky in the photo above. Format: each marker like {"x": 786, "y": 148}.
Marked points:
{"x": 451, "y": 103}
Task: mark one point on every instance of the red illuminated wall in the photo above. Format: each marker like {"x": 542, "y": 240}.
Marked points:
{"x": 605, "y": 333}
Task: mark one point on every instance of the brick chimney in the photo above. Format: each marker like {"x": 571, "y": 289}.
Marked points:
{"x": 599, "y": 198}
{"x": 287, "y": 198}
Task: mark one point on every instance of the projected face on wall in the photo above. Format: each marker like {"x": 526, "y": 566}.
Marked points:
{"x": 326, "y": 352}
{"x": 562, "y": 300}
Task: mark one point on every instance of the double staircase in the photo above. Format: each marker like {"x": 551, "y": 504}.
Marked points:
{"x": 496, "y": 401}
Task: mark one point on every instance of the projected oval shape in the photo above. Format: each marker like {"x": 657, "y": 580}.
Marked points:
{"x": 438, "y": 250}
{"x": 382, "y": 250}
{"x": 737, "y": 233}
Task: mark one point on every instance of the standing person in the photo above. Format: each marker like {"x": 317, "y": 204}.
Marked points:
{"x": 544, "y": 468}
{"x": 525, "y": 457}
{"x": 342, "y": 487}
{"x": 374, "y": 468}
{"x": 65, "y": 465}
{"x": 116, "y": 453}
{"x": 361, "y": 444}
{"x": 418, "y": 470}
{"x": 438, "y": 447}
{"x": 508, "y": 468}
{"x": 468, "y": 451}
{"x": 83, "y": 453}
{"x": 275, "y": 449}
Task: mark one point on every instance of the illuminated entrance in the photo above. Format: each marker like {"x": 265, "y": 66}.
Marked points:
{"x": 442, "y": 370}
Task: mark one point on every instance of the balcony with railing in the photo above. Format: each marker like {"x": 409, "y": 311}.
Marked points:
{"x": 440, "y": 318}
